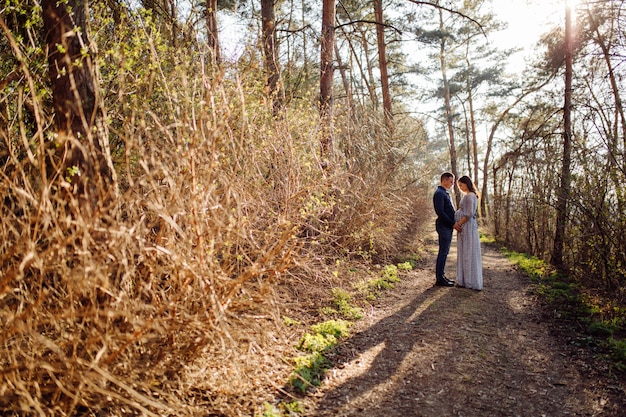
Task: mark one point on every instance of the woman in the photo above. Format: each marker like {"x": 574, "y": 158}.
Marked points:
{"x": 469, "y": 269}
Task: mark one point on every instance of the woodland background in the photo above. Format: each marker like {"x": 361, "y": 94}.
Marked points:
{"x": 165, "y": 204}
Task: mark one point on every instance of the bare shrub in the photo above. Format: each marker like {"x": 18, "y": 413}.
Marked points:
{"x": 160, "y": 300}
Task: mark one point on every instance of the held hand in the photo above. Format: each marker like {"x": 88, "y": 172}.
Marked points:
{"x": 458, "y": 227}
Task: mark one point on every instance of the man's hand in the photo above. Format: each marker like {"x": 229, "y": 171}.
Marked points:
{"x": 458, "y": 227}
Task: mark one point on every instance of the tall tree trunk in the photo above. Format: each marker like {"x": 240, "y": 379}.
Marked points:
{"x": 619, "y": 111}
{"x": 382, "y": 62}
{"x": 468, "y": 143}
{"x": 213, "y": 32}
{"x": 81, "y": 143}
{"x": 353, "y": 61}
{"x": 472, "y": 115}
{"x": 326, "y": 81}
{"x": 345, "y": 80}
{"x": 496, "y": 201}
{"x": 484, "y": 198}
{"x": 563, "y": 194}
{"x": 368, "y": 76}
{"x": 447, "y": 100}
{"x": 473, "y": 149}
{"x": 305, "y": 50}
{"x": 270, "y": 52}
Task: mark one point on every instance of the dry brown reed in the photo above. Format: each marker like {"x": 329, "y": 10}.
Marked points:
{"x": 161, "y": 300}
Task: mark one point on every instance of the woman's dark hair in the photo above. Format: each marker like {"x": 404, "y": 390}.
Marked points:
{"x": 470, "y": 185}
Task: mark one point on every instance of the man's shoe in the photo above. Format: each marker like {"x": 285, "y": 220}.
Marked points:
{"x": 445, "y": 278}
{"x": 444, "y": 283}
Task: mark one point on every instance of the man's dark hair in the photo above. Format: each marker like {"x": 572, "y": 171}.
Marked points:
{"x": 446, "y": 175}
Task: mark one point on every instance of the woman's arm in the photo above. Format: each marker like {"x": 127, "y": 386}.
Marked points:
{"x": 468, "y": 208}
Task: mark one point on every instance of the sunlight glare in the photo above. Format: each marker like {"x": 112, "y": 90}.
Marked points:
{"x": 571, "y": 4}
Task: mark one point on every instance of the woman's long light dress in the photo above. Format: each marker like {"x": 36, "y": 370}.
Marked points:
{"x": 469, "y": 269}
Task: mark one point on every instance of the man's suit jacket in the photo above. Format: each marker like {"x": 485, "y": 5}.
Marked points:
{"x": 443, "y": 207}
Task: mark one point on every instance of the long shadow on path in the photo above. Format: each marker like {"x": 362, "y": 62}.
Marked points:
{"x": 451, "y": 351}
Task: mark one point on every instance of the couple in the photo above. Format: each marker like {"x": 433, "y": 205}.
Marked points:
{"x": 469, "y": 272}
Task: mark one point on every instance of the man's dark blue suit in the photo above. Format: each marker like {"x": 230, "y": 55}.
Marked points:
{"x": 445, "y": 227}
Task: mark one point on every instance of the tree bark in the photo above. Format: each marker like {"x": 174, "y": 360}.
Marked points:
{"x": 213, "y": 32}
{"x": 563, "y": 193}
{"x": 270, "y": 52}
{"x": 447, "y": 102}
{"x": 619, "y": 110}
{"x": 326, "y": 81}
{"x": 382, "y": 63}
{"x": 78, "y": 118}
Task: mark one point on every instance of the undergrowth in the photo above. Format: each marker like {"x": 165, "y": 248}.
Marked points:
{"x": 162, "y": 274}
{"x": 309, "y": 368}
{"x": 603, "y": 321}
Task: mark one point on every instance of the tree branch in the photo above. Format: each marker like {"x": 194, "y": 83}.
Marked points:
{"x": 372, "y": 22}
{"x": 427, "y": 3}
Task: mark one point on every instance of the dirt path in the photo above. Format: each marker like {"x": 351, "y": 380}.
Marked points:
{"x": 432, "y": 351}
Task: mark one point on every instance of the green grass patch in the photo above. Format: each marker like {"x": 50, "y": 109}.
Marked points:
{"x": 604, "y": 324}
{"x": 336, "y": 328}
{"x": 487, "y": 238}
{"x": 409, "y": 263}
{"x": 386, "y": 278}
{"x": 343, "y": 301}
{"x": 290, "y": 322}
{"x": 282, "y": 409}
{"x": 389, "y": 274}
{"x": 309, "y": 369}
{"x": 617, "y": 348}
{"x": 343, "y": 305}
{"x": 531, "y": 265}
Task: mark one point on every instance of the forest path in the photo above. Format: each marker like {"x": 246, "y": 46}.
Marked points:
{"x": 435, "y": 351}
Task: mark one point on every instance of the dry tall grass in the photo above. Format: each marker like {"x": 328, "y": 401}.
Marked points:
{"x": 161, "y": 302}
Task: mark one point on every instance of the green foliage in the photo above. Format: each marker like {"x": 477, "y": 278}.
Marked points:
{"x": 335, "y": 328}
{"x": 325, "y": 336}
{"x": 556, "y": 288}
{"x": 531, "y": 265}
{"x": 407, "y": 265}
{"x": 387, "y": 277}
{"x": 343, "y": 302}
{"x": 71, "y": 172}
{"x": 568, "y": 298}
{"x": 316, "y": 342}
{"x": 389, "y": 274}
{"x": 309, "y": 369}
{"x": 486, "y": 237}
{"x": 617, "y": 347}
{"x": 282, "y": 409}
{"x": 561, "y": 292}
{"x": 293, "y": 407}
{"x": 270, "y": 410}
{"x": 602, "y": 328}
{"x": 290, "y": 322}
{"x": 378, "y": 284}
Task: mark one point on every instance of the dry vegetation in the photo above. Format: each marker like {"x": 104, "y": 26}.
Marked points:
{"x": 166, "y": 299}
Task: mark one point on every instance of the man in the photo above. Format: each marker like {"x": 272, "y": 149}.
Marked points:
{"x": 445, "y": 226}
